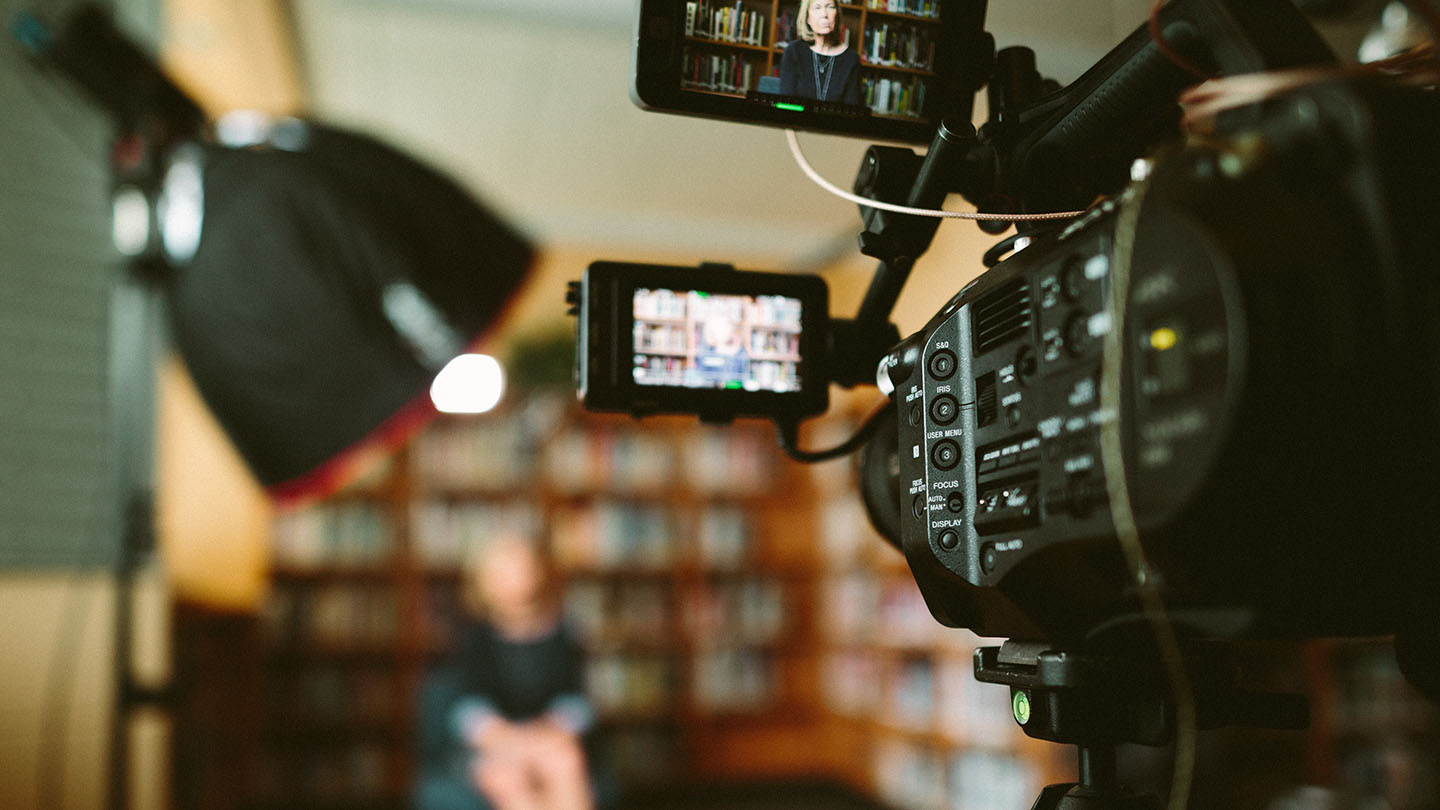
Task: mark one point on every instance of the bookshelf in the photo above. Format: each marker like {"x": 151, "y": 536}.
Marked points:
{"x": 685, "y": 579}
{"x": 729, "y": 46}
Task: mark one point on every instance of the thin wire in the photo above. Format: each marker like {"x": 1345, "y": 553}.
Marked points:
{"x": 905, "y": 209}
{"x": 1122, "y": 511}
{"x": 788, "y": 438}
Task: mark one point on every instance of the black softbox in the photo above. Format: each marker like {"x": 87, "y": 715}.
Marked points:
{"x": 331, "y": 280}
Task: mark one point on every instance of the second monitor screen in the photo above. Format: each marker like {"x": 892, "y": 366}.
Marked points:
{"x": 699, "y": 340}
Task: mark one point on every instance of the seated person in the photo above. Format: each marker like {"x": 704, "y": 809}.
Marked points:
{"x": 820, "y": 65}
{"x": 508, "y": 717}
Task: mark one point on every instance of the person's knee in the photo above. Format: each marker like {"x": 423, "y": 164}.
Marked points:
{"x": 500, "y": 780}
{"x": 566, "y": 761}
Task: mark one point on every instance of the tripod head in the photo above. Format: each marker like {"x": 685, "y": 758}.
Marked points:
{"x": 1098, "y": 700}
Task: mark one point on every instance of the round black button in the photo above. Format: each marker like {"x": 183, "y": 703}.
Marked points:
{"x": 955, "y": 502}
{"x": 917, "y": 414}
{"x": 917, "y": 507}
{"x": 944, "y": 409}
{"x": 1072, "y": 279}
{"x": 1026, "y": 364}
{"x": 989, "y": 558}
{"x": 1077, "y": 334}
{"x": 945, "y": 454}
{"x": 942, "y": 364}
{"x": 949, "y": 540}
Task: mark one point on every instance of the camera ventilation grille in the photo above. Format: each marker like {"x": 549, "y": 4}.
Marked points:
{"x": 1001, "y": 315}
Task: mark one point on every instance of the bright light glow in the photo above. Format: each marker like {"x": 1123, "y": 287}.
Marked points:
{"x": 130, "y": 221}
{"x": 471, "y": 383}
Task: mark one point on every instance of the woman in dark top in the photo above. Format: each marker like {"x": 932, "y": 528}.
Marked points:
{"x": 820, "y": 64}
{"x": 511, "y": 706}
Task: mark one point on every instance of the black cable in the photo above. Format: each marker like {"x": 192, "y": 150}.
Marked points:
{"x": 789, "y": 432}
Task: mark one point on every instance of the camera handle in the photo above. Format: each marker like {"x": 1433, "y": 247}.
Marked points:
{"x": 1097, "y": 701}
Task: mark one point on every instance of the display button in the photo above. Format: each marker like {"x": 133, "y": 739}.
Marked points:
{"x": 949, "y": 540}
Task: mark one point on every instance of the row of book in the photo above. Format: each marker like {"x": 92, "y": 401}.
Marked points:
{"x": 356, "y": 771}
{"x": 609, "y": 614}
{"x": 631, "y": 684}
{"x": 917, "y": 8}
{"x": 726, "y": 22}
{"x": 715, "y": 462}
{"x": 733, "y": 73}
{"x": 446, "y": 534}
{"x": 886, "y": 96}
{"x": 348, "y": 616}
{"x": 920, "y": 694}
{"x": 898, "y": 44}
{"x": 614, "y": 535}
{"x": 734, "y": 679}
{"x": 321, "y": 694}
{"x": 911, "y": 776}
{"x": 343, "y": 534}
{"x": 484, "y": 454}
{"x": 863, "y": 608}
{"x": 646, "y": 685}
{"x": 750, "y": 611}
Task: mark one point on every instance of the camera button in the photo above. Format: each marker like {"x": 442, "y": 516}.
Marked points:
{"x": 945, "y": 454}
{"x": 942, "y": 364}
{"x": 944, "y": 409}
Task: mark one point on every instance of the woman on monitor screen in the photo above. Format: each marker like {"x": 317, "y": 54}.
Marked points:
{"x": 820, "y": 64}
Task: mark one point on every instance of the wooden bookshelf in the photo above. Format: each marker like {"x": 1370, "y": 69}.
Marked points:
{"x": 686, "y": 579}
{"x": 729, "y": 46}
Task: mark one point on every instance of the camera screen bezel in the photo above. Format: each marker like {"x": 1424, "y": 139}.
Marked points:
{"x": 655, "y": 81}
{"x": 607, "y": 360}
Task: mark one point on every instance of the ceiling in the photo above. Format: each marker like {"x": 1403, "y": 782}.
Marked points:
{"x": 527, "y": 100}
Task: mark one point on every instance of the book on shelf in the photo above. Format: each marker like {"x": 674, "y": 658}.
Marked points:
{"x": 723, "y": 537}
{"x": 726, "y": 22}
{"x": 339, "y": 534}
{"x": 359, "y": 616}
{"x": 445, "y": 533}
{"x": 982, "y": 780}
{"x": 630, "y": 684}
{"x": 752, "y": 611}
{"x": 909, "y": 776}
{"x": 733, "y": 679}
{"x": 610, "y": 534}
{"x": 899, "y": 44}
{"x": 887, "y": 96}
{"x": 916, "y": 8}
{"x": 732, "y": 73}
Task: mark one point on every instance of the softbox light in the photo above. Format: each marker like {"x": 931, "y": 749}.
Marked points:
{"x": 316, "y": 279}
{"x": 332, "y": 278}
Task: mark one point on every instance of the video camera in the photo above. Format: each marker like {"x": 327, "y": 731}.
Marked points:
{"x": 1218, "y": 386}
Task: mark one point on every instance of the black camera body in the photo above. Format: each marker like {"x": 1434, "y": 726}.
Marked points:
{"x": 1280, "y": 382}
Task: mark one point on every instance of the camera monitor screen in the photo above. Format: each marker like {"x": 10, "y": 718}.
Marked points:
{"x": 877, "y": 68}
{"x": 695, "y": 339}
{"x": 708, "y": 340}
